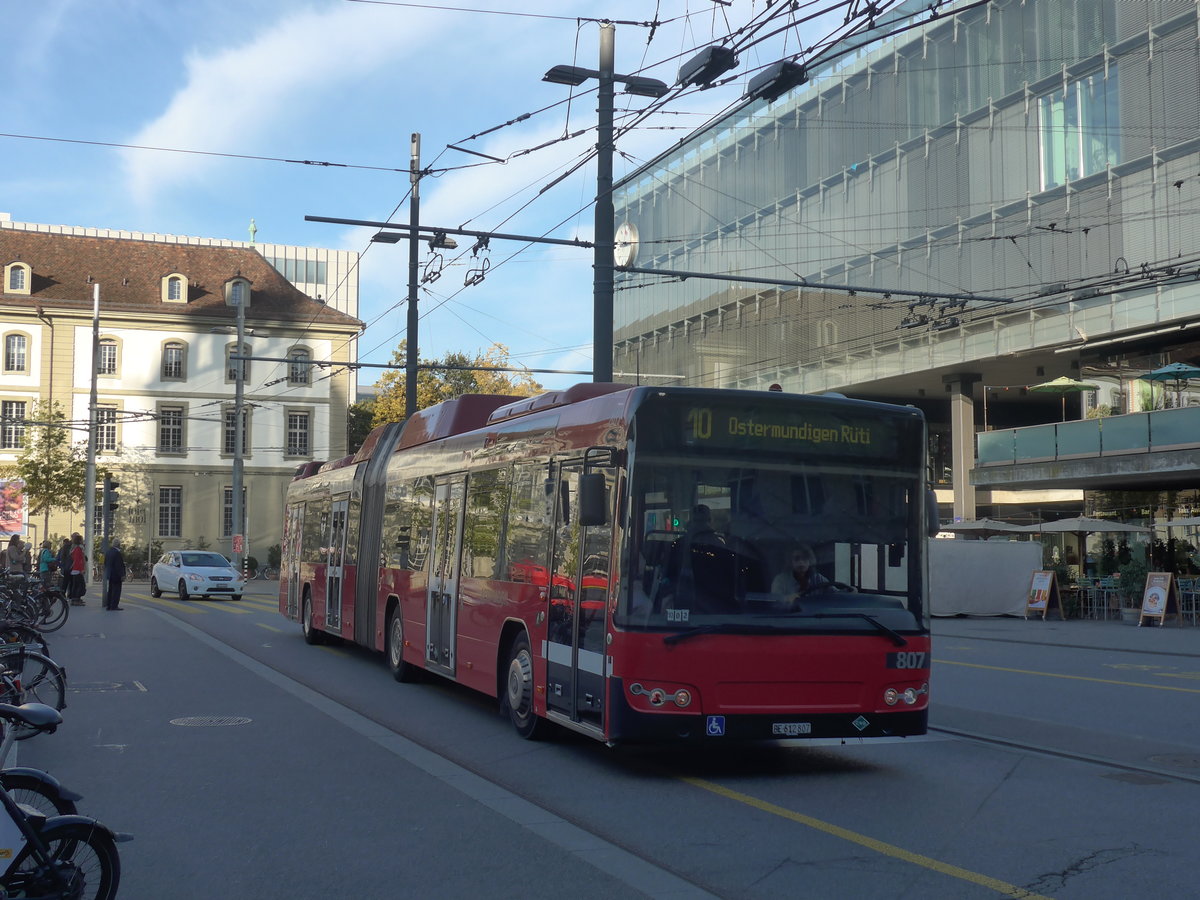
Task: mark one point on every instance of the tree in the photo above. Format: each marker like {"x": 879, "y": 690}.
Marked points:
{"x": 464, "y": 375}
{"x": 53, "y": 469}
{"x": 359, "y": 422}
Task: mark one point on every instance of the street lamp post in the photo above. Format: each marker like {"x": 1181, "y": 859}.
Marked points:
{"x": 239, "y": 390}
{"x": 605, "y": 243}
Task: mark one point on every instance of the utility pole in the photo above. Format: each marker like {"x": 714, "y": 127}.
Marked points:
{"x": 239, "y": 396}
{"x": 89, "y": 481}
{"x": 414, "y": 218}
{"x": 602, "y": 285}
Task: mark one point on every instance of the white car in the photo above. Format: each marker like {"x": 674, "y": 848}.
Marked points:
{"x": 195, "y": 573}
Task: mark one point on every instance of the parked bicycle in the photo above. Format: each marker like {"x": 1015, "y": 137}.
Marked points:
{"x": 33, "y": 787}
{"x": 56, "y": 857}
{"x": 29, "y": 676}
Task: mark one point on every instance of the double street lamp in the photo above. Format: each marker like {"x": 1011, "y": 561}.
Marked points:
{"x": 605, "y": 227}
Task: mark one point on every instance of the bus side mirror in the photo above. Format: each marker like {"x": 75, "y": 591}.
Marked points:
{"x": 932, "y": 525}
{"x": 593, "y": 499}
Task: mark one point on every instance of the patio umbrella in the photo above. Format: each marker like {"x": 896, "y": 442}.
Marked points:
{"x": 1177, "y": 372}
{"x": 1082, "y": 526}
{"x": 983, "y": 528}
{"x": 1064, "y": 386}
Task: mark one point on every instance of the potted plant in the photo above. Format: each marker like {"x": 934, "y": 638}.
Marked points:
{"x": 1131, "y": 584}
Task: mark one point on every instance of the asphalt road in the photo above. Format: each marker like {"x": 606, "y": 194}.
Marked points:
{"x": 1064, "y": 762}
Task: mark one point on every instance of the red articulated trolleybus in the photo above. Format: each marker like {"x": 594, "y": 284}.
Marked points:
{"x": 619, "y": 560}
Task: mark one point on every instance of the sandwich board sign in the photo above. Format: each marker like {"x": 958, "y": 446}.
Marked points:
{"x": 1159, "y": 598}
{"x": 1043, "y": 593}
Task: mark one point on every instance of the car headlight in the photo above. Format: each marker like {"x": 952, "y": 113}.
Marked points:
{"x": 192, "y": 576}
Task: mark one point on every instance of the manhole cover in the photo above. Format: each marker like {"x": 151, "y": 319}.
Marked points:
{"x": 211, "y": 721}
{"x": 1178, "y": 760}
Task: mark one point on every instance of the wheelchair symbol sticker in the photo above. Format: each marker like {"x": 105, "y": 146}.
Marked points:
{"x": 716, "y": 726}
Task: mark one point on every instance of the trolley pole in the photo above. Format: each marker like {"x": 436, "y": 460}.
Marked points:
{"x": 239, "y": 397}
{"x": 89, "y": 481}
{"x": 414, "y": 218}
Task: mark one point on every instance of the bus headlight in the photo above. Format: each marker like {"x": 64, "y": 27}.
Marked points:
{"x": 661, "y": 697}
{"x": 890, "y": 696}
{"x": 911, "y": 696}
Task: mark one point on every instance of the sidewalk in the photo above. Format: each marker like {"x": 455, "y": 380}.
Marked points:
{"x": 1099, "y": 635}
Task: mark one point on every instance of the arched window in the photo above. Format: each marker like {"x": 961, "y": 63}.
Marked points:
{"x": 107, "y": 361}
{"x": 237, "y": 292}
{"x": 174, "y": 288}
{"x": 299, "y": 369}
{"x": 174, "y": 361}
{"x": 15, "y": 353}
{"x": 17, "y": 278}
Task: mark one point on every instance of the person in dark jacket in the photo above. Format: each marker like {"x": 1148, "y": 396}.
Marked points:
{"x": 64, "y": 562}
{"x": 114, "y": 576}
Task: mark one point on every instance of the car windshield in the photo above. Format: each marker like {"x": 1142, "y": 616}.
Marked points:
{"x": 205, "y": 560}
{"x": 776, "y": 545}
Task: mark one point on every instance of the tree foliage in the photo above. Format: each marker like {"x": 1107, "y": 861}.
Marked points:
{"x": 54, "y": 470}
{"x": 464, "y": 375}
{"x": 359, "y": 422}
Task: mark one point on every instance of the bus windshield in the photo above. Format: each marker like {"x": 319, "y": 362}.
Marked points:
{"x": 813, "y": 537}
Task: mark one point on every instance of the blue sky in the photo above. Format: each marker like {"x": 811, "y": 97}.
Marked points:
{"x": 242, "y": 85}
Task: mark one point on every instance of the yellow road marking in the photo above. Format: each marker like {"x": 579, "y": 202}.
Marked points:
{"x": 172, "y": 604}
{"x": 1156, "y": 687}
{"x": 917, "y": 859}
{"x": 269, "y": 627}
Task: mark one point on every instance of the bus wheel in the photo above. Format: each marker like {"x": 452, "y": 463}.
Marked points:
{"x": 518, "y": 689}
{"x": 311, "y": 635}
{"x": 402, "y": 671}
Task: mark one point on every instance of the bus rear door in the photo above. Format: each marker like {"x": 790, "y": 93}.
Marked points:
{"x": 449, "y": 495}
{"x": 336, "y": 552}
{"x": 578, "y": 591}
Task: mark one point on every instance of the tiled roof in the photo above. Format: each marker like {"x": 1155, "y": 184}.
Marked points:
{"x": 130, "y": 274}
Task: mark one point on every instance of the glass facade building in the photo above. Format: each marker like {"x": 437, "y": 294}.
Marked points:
{"x": 1020, "y": 179}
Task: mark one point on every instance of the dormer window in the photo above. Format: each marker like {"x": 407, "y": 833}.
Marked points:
{"x": 17, "y": 278}
{"x": 237, "y": 292}
{"x": 175, "y": 288}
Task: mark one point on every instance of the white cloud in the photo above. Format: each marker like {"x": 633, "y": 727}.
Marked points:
{"x": 234, "y": 97}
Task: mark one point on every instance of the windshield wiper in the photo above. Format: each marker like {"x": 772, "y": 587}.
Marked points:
{"x": 897, "y": 638}
{"x": 721, "y": 628}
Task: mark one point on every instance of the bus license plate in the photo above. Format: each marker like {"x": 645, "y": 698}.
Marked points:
{"x": 791, "y": 729}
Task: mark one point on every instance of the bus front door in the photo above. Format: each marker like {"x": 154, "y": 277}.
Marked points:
{"x": 292, "y": 531}
{"x": 336, "y": 552}
{"x": 441, "y": 610}
{"x": 575, "y": 683}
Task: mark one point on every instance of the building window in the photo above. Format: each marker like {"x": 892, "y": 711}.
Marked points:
{"x": 173, "y": 361}
{"x": 14, "y": 353}
{"x": 229, "y": 437}
{"x": 16, "y": 279}
{"x": 174, "y": 288}
{"x": 170, "y": 512}
{"x": 106, "y": 429}
{"x": 299, "y": 370}
{"x": 298, "y": 434}
{"x": 231, "y": 364}
{"x": 170, "y": 429}
{"x": 12, "y": 424}
{"x": 1080, "y": 129}
{"x": 106, "y": 363}
{"x": 227, "y": 512}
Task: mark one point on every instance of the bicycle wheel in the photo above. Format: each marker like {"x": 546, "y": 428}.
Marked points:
{"x": 33, "y": 791}
{"x": 17, "y": 634}
{"x": 36, "y": 678}
{"x": 82, "y": 856}
{"x": 54, "y": 612}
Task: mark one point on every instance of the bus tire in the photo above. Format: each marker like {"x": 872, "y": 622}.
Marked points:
{"x": 517, "y": 696}
{"x": 311, "y": 634}
{"x": 402, "y": 671}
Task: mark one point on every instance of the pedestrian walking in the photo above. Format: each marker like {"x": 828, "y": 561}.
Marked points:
{"x": 114, "y": 576}
{"x": 78, "y": 586}
{"x": 47, "y": 563}
{"x": 16, "y": 557}
{"x": 64, "y": 563}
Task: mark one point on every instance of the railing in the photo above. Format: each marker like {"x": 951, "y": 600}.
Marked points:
{"x": 1145, "y": 432}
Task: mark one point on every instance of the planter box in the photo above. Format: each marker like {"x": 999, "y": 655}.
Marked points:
{"x": 1130, "y": 616}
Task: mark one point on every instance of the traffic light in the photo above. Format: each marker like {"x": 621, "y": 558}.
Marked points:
{"x": 111, "y": 497}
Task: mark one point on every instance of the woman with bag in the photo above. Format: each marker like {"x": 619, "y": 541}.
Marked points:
{"x": 47, "y": 563}
{"x": 78, "y": 587}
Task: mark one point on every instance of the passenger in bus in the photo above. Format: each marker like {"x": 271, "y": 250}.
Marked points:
{"x": 801, "y": 576}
